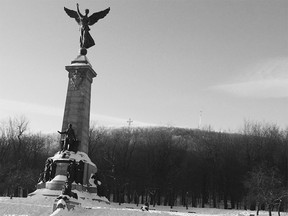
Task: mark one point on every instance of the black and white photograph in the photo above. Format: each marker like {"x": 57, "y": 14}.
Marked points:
{"x": 144, "y": 107}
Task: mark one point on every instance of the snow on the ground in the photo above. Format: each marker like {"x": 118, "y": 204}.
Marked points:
{"x": 42, "y": 206}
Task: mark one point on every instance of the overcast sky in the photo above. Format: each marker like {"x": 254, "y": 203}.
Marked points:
{"x": 159, "y": 62}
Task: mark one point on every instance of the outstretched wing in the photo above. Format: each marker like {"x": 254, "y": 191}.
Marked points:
{"x": 98, "y": 15}
{"x": 72, "y": 14}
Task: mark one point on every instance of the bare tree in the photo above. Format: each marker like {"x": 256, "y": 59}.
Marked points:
{"x": 265, "y": 187}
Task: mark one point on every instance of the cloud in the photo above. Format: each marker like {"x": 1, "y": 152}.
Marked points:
{"x": 267, "y": 79}
{"x": 10, "y": 107}
{"x": 47, "y": 118}
{"x": 272, "y": 88}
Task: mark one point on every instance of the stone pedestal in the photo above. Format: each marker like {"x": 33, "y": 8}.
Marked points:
{"x": 77, "y": 107}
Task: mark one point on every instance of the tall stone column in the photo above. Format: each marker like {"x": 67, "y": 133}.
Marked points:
{"x": 77, "y": 106}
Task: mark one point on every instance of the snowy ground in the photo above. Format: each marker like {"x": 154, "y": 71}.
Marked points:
{"x": 42, "y": 206}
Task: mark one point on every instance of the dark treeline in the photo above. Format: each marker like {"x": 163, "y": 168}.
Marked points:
{"x": 164, "y": 165}
{"x": 174, "y": 166}
{"x": 22, "y": 156}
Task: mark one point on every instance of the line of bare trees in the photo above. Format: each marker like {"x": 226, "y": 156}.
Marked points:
{"x": 164, "y": 165}
{"x": 22, "y": 156}
{"x": 194, "y": 167}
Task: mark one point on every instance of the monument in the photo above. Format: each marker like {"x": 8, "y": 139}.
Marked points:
{"x": 70, "y": 172}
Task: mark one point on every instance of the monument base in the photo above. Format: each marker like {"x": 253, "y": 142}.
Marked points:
{"x": 76, "y": 168}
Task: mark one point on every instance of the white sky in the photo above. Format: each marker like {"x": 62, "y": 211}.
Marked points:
{"x": 158, "y": 62}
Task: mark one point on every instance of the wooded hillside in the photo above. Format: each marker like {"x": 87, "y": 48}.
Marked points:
{"x": 163, "y": 165}
{"x": 194, "y": 167}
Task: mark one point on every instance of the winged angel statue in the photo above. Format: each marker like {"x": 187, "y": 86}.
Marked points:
{"x": 86, "y": 40}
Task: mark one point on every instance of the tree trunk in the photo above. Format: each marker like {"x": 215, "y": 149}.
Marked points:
{"x": 159, "y": 198}
{"x": 214, "y": 199}
{"x": 203, "y": 190}
{"x": 270, "y": 210}
{"x": 258, "y": 208}
{"x": 194, "y": 201}
{"x": 142, "y": 198}
{"x": 225, "y": 201}
{"x": 232, "y": 203}
{"x": 279, "y": 207}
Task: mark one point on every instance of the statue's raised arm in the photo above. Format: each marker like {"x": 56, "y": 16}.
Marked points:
{"x": 78, "y": 11}
{"x": 86, "y": 41}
